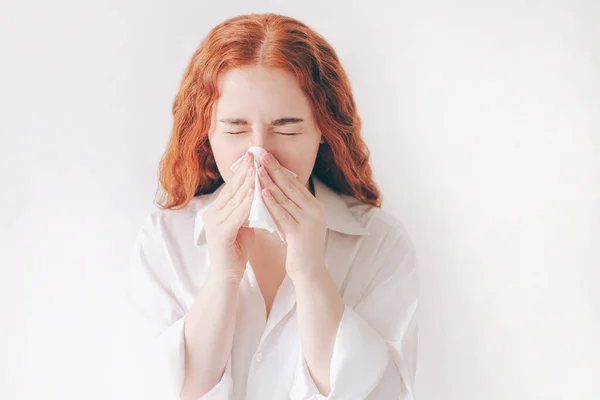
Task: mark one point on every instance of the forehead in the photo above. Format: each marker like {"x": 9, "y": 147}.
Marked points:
{"x": 257, "y": 89}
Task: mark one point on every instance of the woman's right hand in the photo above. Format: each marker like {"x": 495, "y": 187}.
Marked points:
{"x": 228, "y": 242}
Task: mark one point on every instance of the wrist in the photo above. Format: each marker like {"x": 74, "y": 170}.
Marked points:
{"x": 308, "y": 276}
{"x": 224, "y": 280}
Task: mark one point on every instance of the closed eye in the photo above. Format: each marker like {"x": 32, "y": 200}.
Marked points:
{"x": 281, "y": 133}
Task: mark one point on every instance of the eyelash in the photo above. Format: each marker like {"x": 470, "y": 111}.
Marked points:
{"x": 282, "y": 133}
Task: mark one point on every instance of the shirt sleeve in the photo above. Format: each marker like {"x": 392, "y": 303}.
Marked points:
{"x": 159, "y": 315}
{"x": 375, "y": 350}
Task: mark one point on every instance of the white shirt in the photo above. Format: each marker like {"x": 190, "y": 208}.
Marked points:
{"x": 369, "y": 256}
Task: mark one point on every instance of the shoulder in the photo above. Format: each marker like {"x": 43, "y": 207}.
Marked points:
{"x": 388, "y": 248}
{"x": 384, "y": 257}
{"x": 382, "y": 225}
{"x": 164, "y": 243}
{"x": 172, "y": 223}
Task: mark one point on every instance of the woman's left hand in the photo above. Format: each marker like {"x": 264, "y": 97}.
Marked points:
{"x": 298, "y": 215}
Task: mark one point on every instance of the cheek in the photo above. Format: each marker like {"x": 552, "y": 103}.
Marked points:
{"x": 225, "y": 157}
{"x": 302, "y": 166}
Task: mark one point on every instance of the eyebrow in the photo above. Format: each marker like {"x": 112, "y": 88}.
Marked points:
{"x": 275, "y": 122}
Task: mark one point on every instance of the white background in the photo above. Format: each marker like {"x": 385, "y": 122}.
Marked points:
{"x": 482, "y": 118}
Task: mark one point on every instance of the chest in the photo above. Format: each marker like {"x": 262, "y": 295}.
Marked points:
{"x": 269, "y": 270}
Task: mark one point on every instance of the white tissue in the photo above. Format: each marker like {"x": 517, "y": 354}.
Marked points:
{"x": 259, "y": 214}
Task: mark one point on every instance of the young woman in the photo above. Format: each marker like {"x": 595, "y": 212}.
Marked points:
{"x": 328, "y": 310}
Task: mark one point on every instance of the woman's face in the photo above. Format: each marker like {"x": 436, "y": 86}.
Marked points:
{"x": 263, "y": 107}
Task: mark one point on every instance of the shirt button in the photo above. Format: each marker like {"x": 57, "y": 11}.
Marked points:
{"x": 258, "y": 357}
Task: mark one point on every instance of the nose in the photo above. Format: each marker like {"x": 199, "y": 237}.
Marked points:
{"x": 259, "y": 137}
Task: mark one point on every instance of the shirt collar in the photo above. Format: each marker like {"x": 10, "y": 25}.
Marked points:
{"x": 338, "y": 216}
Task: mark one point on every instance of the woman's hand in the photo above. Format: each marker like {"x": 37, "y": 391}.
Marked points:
{"x": 299, "y": 216}
{"x": 229, "y": 242}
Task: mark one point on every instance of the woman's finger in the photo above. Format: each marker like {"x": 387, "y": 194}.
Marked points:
{"x": 240, "y": 214}
{"x": 239, "y": 197}
{"x": 231, "y": 188}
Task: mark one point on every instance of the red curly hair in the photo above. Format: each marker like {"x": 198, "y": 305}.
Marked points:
{"x": 188, "y": 167}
